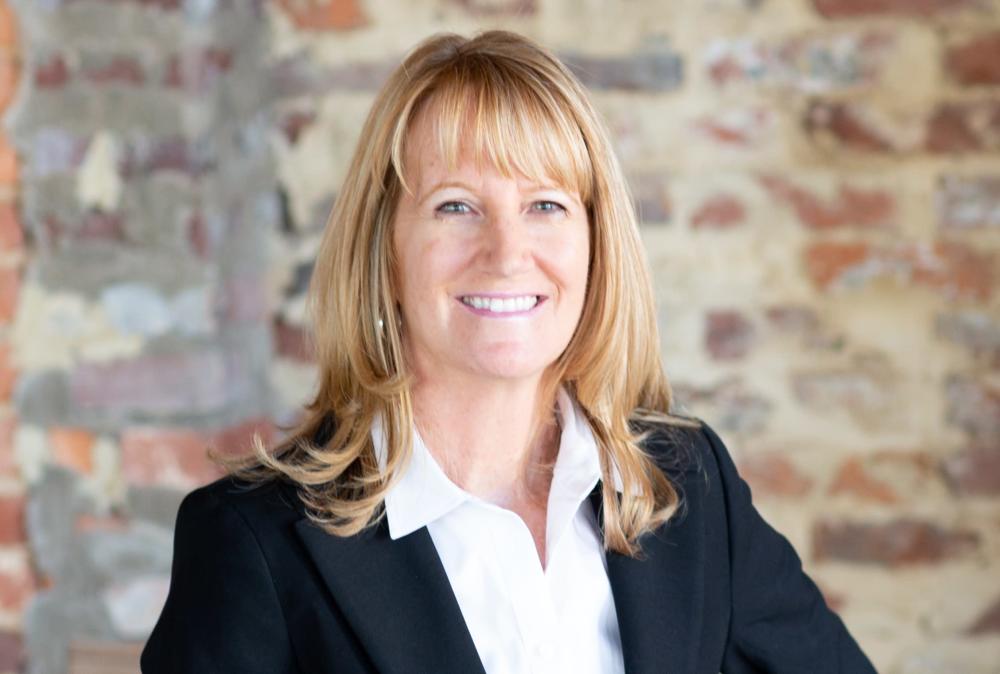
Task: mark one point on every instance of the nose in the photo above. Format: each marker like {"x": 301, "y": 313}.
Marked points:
{"x": 506, "y": 248}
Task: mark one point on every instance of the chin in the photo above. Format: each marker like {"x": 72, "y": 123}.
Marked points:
{"x": 516, "y": 365}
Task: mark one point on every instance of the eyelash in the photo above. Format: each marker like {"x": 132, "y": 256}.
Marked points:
{"x": 442, "y": 209}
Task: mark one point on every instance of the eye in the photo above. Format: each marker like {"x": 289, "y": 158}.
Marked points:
{"x": 453, "y": 207}
{"x": 551, "y": 206}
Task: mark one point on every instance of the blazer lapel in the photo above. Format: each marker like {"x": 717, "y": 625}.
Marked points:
{"x": 397, "y": 597}
{"x": 658, "y": 598}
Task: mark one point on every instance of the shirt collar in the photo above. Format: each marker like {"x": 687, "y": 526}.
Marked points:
{"x": 424, "y": 493}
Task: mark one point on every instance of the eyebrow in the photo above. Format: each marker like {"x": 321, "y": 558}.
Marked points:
{"x": 458, "y": 183}
{"x": 446, "y": 183}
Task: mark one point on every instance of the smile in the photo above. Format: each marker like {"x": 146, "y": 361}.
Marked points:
{"x": 516, "y": 304}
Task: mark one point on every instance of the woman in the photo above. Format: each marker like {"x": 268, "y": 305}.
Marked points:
{"x": 489, "y": 478}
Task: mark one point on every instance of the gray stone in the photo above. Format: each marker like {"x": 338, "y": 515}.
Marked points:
{"x": 53, "y": 503}
{"x": 156, "y": 505}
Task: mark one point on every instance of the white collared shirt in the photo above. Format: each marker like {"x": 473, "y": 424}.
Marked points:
{"x": 521, "y": 618}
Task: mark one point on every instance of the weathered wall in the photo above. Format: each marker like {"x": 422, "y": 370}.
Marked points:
{"x": 819, "y": 182}
{"x": 141, "y": 335}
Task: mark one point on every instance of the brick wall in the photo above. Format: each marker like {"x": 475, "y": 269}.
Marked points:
{"x": 819, "y": 184}
{"x": 17, "y": 581}
{"x": 141, "y": 333}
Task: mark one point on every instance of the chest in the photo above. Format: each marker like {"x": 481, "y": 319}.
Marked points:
{"x": 523, "y": 617}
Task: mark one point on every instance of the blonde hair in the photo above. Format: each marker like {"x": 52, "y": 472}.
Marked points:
{"x": 512, "y": 90}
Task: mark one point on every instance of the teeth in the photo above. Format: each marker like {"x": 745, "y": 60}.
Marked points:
{"x": 502, "y": 305}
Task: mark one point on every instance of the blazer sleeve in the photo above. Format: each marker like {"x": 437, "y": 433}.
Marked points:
{"x": 222, "y": 613}
{"x": 780, "y": 622}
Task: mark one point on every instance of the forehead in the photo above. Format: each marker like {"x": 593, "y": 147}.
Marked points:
{"x": 427, "y": 163}
{"x": 470, "y": 140}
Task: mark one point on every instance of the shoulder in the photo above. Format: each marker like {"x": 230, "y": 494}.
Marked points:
{"x": 258, "y": 505}
{"x": 678, "y": 444}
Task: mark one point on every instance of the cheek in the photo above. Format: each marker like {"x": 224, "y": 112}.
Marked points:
{"x": 427, "y": 266}
{"x": 571, "y": 259}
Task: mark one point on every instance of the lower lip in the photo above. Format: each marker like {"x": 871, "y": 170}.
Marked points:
{"x": 506, "y": 314}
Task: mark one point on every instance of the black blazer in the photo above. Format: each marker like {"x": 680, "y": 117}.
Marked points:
{"x": 256, "y": 588}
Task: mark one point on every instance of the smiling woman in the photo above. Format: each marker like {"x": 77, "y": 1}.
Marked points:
{"x": 490, "y": 477}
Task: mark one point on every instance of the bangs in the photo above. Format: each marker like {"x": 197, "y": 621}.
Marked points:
{"x": 509, "y": 118}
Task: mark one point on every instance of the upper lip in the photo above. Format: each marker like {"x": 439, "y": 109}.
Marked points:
{"x": 500, "y": 296}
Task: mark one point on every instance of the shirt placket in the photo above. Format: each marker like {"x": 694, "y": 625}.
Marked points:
{"x": 529, "y": 594}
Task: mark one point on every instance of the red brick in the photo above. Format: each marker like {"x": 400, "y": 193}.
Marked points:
{"x": 848, "y": 125}
{"x": 11, "y": 235}
{"x": 8, "y": 162}
{"x": 294, "y": 122}
{"x": 728, "y": 334}
{"x": 72, "y": 448}
{"x": 8, "y": 374}
{"x": 177, "y": 457}
{"x": 11, "y": 651}
{"x": 851, "y": 207}
{"x": 16, "y": 587}
{"x": 197, "y": 71}
{"x": 852, "y": 479}
{"x": 974, "y": 472}
{"x": 10, "y": 287}
{"x": 841, "y": 9}
{"x": 93, "y": 225}
{"x": 901, "y": 542}
{"x": 237, "y": 440}
{"x": 320, "y": 15}
{"x": 9, "y": 73}
{"x": 719, "y": 211}
{"x": 828, "y": 262}
{"x": 741, "y": 128}
{"x": 160, "y": 383}
{"x": 166, "y": 153}
{"x": 956, "y": 270}
{"x": 8, "y": 31}
{"x": 968, "y": 202}
{"x": 167, "y": 457}
{"x": 959, "y": 128}
{"x": 988, "y": 621}
{"x": 976, "y": 61}
{"x": 52, "y": 73}
{"x": 119, "y": 70}
{"x": 773, "y": 474}
{"x": 12, "y": 529}
{"x": 292, "y": 341}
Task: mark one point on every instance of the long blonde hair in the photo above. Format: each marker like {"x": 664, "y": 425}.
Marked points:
{"x": 532, "y": 116}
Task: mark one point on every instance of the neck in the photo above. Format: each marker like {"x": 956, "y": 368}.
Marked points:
{"x": 496, "y": 440}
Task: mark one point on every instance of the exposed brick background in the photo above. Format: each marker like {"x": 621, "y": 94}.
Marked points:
{"x": 819, "y": 188}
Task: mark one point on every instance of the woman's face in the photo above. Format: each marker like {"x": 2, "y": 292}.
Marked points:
{"x": 491, "y": 271}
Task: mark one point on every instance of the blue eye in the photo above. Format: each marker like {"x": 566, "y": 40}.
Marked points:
{"x": 445, "y": 207}
{"x": 558, "y": 207}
